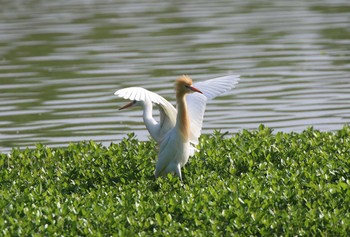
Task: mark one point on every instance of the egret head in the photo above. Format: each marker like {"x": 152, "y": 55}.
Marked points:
{"x": 183, "y": 85}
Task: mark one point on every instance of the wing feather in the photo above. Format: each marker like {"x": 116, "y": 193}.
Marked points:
{"x": 196, "y": 102}
{"x": 217, "y": 86}
{"x": 196, "y": 106}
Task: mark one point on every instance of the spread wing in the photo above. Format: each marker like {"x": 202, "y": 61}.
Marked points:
{"x": 196, "y": 102}
{"x": 141, "y": 94}
{"x": 166, "y": 110}
{"x": 196, "y": 106}
{"x": 217, "y": 86}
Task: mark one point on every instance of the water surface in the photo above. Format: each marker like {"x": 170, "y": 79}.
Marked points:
{"x": 61, "y": 62}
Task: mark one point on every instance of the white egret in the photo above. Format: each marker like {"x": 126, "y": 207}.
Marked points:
{"x": 168, "y": 115}
{"x": 196, "y": 103}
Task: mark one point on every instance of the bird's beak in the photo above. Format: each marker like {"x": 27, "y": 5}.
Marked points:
{"x": 127, "y": 105}
{"x": 194, "y": 89}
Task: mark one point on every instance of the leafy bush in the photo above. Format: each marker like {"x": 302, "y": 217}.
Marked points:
{"x": 250, "y": 183}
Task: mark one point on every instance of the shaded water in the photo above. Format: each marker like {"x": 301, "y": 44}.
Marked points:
{"x": 61, "y": 62}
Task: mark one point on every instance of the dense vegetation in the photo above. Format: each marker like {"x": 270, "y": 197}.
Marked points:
{"x": 250, "y": 183}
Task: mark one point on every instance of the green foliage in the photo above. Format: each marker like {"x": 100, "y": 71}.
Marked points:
{"x": 248, "y": 184}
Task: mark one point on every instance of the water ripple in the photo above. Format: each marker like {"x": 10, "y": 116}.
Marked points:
{"x": 61, "y": 62}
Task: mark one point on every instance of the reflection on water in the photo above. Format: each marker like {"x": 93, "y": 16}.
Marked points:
{"x": 61, "y": 62}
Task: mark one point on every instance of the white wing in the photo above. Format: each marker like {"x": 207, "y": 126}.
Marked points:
{"x": 217, "y": 86}
{"x": 167, "y": 110}
{"x": 196, "y": 102}
{"x": 141, "y": 94}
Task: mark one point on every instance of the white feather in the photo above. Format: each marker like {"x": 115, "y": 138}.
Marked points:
{"x": 217, "y": 86}
{"x": 196, "y": 102}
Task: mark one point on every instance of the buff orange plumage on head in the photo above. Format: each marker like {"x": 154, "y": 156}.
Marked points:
{"x": 181, "y": 84}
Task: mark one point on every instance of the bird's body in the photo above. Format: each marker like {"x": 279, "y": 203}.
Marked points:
{"x": 174, "y": 148}
{"x": 178, "y": 130}
{"x": 173, "y": 154}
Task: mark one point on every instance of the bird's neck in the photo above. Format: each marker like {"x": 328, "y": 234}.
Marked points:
{"x": 182, "y": 119}
{"x": 150, "y": 122}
